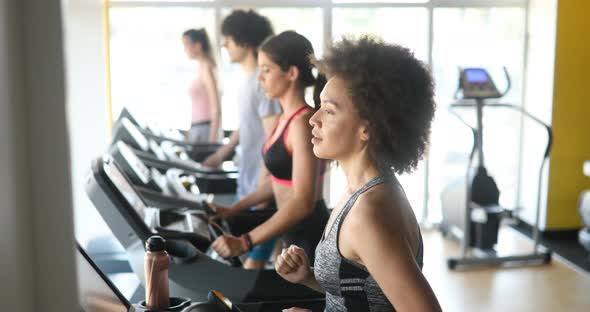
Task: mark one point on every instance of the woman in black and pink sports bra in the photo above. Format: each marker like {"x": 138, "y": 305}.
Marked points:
{"x": 295, "y": 172}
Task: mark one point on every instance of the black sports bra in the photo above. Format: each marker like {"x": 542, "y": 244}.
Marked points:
{"x": 277, "y": 157}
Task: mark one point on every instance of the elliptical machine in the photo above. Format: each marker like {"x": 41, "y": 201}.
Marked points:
{"x": 476, "y": 222}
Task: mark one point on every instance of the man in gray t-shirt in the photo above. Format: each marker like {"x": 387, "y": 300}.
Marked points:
{"x": 243, "y": 31}
{"x": 257, "y": 113}
{"x": 254, "y": 107}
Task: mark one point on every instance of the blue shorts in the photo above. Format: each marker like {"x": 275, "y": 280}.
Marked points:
{"x": 263, "y": 252}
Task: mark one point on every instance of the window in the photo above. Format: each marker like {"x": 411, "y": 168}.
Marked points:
{"x": 405, "y": 26}
{"x": 150, "y": 73}
{"x": 490, "y": 38}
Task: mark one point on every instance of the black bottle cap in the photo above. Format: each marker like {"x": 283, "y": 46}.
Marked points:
{"x": 155, "y": 244}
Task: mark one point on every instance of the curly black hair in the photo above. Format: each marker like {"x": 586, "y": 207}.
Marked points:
{"x": 393, "y": 91}
{"x": 247, "y": 28}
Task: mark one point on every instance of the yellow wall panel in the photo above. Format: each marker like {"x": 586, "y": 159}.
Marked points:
{"x": 571, "y": 115}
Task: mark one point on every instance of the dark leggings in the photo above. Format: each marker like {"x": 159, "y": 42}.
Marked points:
{"x": 308, "y": 232}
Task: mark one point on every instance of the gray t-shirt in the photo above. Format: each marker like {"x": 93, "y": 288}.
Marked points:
{"x": 253, "y": 107}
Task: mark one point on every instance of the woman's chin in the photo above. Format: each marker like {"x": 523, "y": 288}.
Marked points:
{"x": 269, "y": 96}
{"x": 319, "y": 153}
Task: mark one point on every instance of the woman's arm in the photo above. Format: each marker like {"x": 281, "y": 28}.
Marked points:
{"x": 381, "y": 245}
{"x": 262, "y": 194}
{"x": 213, "y": 95}
{"x": 215, "y": 159}
{"x": 293, "y": 265}
{"x": 304, "y": 176}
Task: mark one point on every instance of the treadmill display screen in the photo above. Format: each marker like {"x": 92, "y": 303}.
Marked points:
{"x": 138, "y": 167}
{"x": 476, "y": 76}
{"x": 126, "y": 190}
{"x": 139, "y": 138}
{"x": 96, "y": 292}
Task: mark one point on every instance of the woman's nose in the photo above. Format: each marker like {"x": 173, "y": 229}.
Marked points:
{"x": 313, "y": 121}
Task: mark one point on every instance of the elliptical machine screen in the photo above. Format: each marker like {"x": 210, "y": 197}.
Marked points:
{"x": 476, "y": 75}
{"x": 476, "y": 83}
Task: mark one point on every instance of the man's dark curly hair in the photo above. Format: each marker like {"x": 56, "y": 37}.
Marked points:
{"x": 390, "y": 89}
{"x": 247, "y": 28}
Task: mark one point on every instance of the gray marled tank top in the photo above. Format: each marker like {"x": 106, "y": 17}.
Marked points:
{"x": 348, "y": 285}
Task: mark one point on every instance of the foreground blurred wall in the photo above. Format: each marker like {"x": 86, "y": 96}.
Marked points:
{"x": 36, "y": 231}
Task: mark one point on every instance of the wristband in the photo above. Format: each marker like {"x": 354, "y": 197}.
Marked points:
{"x": 247, "y": 241}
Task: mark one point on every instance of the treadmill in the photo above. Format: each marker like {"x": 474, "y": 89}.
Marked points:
{"x": 162, "y": 155}
{"x": 173, "y": 187}
{"x": 173, "y": 138}
{"x": 193, "y": 269}
{"x": 97, "y": 293}
{"x": 165, "y": 156}
{"x": 180, "y": 190}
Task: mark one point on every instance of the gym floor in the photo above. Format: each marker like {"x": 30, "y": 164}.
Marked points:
{"x": 565, "y": 244}
{"x": 558, "y": 286}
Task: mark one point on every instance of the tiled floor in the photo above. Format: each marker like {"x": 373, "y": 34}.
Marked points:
{"x": 553, "y": 287}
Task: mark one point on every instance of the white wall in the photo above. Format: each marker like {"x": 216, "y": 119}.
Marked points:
{"x": 37, "y": 262}
{"x": 538, "y": 100}
{"x": 86, "y": 105}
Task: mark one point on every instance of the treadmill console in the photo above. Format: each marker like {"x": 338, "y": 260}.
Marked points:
{"x": 146, "y": 214}
{"x": 136, "y": 170}
{"x": 125, "y": 113}
{"x": 127, "y": 132}
{"x": 157, "y": 150}
{"x": 172, "y": 134}
{"x": 476, "y": 83}
{"x": 139, "y": 169}
{"x": 175, "y": 152}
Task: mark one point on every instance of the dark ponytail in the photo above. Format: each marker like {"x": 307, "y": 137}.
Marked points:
{"x": 200, "y": 36}
{"x": 292, "y": 49}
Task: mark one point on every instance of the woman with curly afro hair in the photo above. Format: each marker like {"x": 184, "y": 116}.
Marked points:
{"x": 375, "y": 117}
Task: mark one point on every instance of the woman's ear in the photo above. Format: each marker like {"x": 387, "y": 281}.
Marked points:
{"x": 364, "y": 131}
{"x": 293, "y": 73}
{"x": 198, "y": 46}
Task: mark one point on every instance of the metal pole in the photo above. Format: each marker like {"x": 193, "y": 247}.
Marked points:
{"x": 479, "y": 103}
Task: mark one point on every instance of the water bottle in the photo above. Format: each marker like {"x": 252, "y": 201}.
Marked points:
{"x": 156, "y": 265}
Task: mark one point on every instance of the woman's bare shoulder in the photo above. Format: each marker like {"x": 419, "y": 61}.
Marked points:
{"x": 379, "y": 206}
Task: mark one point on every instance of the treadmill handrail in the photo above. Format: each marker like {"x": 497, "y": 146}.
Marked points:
{"x": 154, "y": 161}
